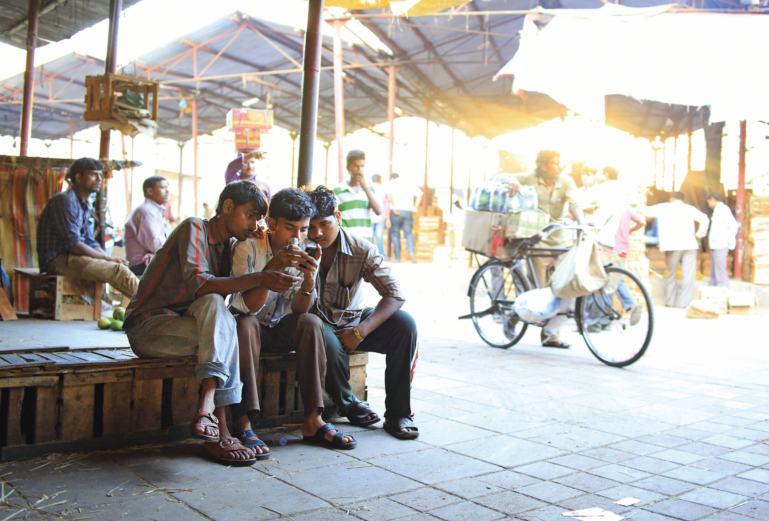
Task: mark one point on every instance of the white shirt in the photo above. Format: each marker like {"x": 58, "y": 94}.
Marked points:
{"x": 676, "y": 224}
{"x": 251, "y": 256}
{"x": 723, "y": 228}
{"x": 403, "y": 194}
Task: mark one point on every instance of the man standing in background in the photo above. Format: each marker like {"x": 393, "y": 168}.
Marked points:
{"x": 146, "y": 229}
{"x": 721, "y": 238}
{"x": 678, "y": 239}
{"x": 243, "y": 168}
{"x": 356, "y": 198}
{"x": 402, "y": 201}
{"x": 380, "y": 222}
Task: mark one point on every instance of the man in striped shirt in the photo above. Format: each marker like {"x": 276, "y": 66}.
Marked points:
{"x": 356, "y": 198}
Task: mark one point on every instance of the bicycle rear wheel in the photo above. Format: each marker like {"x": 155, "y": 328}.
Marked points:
{"x": 614, "y": 334}
{"x": 493, "y": 290}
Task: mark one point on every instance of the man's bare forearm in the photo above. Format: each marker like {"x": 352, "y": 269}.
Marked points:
{"x": 228, "y": 285}
{"x": 255, "y": 298}
{"x": 372, "y": 201}
{"x": 83, "y": 249}
{"x": 301, "y": 303}
{"x": 384, "y": 310}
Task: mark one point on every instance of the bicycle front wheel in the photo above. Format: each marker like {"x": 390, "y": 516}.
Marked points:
{"x": 617, "y": 322}
{"x": 493, "y": 290}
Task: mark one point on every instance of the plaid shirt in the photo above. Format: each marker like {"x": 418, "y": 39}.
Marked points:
{"x": 341, "y": 296}
{"x": 63, "y": 223}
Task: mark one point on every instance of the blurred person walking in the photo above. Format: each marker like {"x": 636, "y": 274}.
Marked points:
{"x": 243, "y": 168}
{"x": 380, "y": 222}
{"x": 721, "y": 238}
{"x": 402, "y": 200}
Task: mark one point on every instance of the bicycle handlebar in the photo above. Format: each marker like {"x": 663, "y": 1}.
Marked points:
{"x": 552, "y": 227}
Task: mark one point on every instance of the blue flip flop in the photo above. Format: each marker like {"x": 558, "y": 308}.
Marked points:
{"x": 245, "y": 439}
{"x": 319, "y": 438}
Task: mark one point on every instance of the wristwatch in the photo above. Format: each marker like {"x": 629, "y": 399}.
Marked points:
{"x": 357, "y": 334}
{"x": 307, "y": 293}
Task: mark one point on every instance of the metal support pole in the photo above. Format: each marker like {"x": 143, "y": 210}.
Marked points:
{"x": 180, "y": 144}
{"x": 391, "y": 70}
{"x": 195, "y": 154}
{"x": 326, "y": 146}
{"x": 71, "y": 140}
{"x": 294, "y": 135}
{"x": 425, "y": 189}
{"x": 689, "y": 133}
{"x": 339, "y": 96}
{"x": 29, "y": 77}
{"x": 125, "y": 176}
{"x": 310, "y": 82}
{"x": 451, "y": 183}
{"x": 740, "y": 203}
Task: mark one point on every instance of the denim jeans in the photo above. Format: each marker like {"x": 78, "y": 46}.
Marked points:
{"x": 379, "y": 229}
{"x": 624, "y": 296}
{"x": 403, "y": 221}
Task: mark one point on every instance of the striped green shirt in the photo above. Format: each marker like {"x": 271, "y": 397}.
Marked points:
{"x": 355, "y": 208}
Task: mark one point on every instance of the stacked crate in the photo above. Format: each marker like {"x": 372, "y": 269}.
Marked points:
{"x": 429, "y": 232}
{"x": 637, "y": 262}
{"x": 756, "y": 260}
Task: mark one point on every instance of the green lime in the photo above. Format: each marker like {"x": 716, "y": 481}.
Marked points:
{"x": 104, "y": 323}
{"x": 119, "y": 314}
{"x": 117, "y": 325}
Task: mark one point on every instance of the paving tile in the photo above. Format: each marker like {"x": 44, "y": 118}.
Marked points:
{"x": 755, "y": 509}
{"x": 609, "y": 455}
{"x": 636, "y": 447}
{"x": 544, "y": 470}
{"x": 510, "y": 502}
{"x": 762, "y": 449}
{"x": 591, "y": 501}
{"x": 721, "y": 466}
{"x": 651, "y": 465}
{"x": 226, "y": 503}
{"x": 663, "y": 485}
{"x": 148, "y": 509}
{"x": 424, "y": 499}
{"x": 326, "y": 514}
{"x": 577, "y": 462}
{"x": 506, "y": 451}
{"x": 550, "y": 492}
{"x": 569, "y": 437}
{"x": 729, "y": 516}
{"x": 689, "y": 433}
{"x": 643, "y": 515}
{"x": 730, "y": 442}
{"x": 469, "y": 488}
{"x": 508, "y": 480}
{"x": 418, "y": 517}
{"x": 586, "y": 482}
{"x": 664, "y": 440}
{"x": 750, "y": 434}
{"x": 759, "y": 475}
{"x": 704, "y": 449}
{"x": 678, "y": 456}
{"x": 379, "y": 510}
{"x": 673, "y": 415}
{"x": 715, "y": 428}
{"x": 742, "y": 486}
{"x": 549, "y": 513}
{"x": 714, "y": 498}
{"x": 734, "y": 421}
{"x": 747, "y": 458}
{"x": 502, "y": 421}
{"x": 694, "y": 475}
{"x": 681, "y": 509}
{"x": 623, "y": 425}
{"x": 434, "y": 465}
{"x": 376, "y": 443}
{"x": 444, "y": 432}
{"x": 619, "y": 473}
{"x": 297, "y": 457}
{"x": 466, "y": 512}
{"x": 646, "y": 496}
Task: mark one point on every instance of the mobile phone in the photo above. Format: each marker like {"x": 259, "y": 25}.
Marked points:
{"x": 312, "y": 251}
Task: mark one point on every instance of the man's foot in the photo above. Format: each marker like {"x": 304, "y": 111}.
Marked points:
{"x": 402, "y": 428}
{"x": 559, "y": 344}
{"x": 339, "y": 440}
{"x": 230, "y": 452}
{"x": 413, "y": 260}
{"x": 250, "y": 440}
{"x": 361, "y": 415}
{"x": 635, "y": 314}
{"x": 205, "y": 427}
{"x": 310, "y": 429}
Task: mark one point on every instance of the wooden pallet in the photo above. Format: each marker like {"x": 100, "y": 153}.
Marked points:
{"x": 61, "y": 298}
{"x": 55, "y": 401}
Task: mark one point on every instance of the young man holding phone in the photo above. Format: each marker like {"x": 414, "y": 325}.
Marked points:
{"x": 284, "y": 322}
{"x": 356, "y": 199}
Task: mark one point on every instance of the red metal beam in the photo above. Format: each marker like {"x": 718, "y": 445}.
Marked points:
{"x": 339, "y": 97}
{"x": 741, "y": 202}
{"x": 29, "y": 77}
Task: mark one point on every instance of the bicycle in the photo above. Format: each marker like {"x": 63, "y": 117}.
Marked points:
{"x": 614, "y": 335}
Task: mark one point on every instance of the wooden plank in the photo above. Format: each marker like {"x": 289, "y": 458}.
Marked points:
{"x": 98, "y": 291}
{"x": 270, "y": 400}
{"x": 117, "y": 408}
{"x": 13, "y": 359}
{"x": 69, "y": 312}
{"x": 358, "y": 359}
{"x": 77, "y": 412}
{"x": 29, "y": 271}
{"x": 77, "y": 287}
{"x": 46, "y": 413}
{"x": 184, "y": 400}
{"x": 154, "y": 373}
{"x": 89, "y": 357}
{"x": 29, "y": 381}
{"x": 63, "y": 358}
{"x": 6, "y": 309}
{"x": 31, "y": 357}
{"x": 13, "y": 427}
{"x": 97, "y": 377}
{"x": 290, "y": 391}
{"x": 147, "y": 396}
{"x": 112, "y": 355}
{"x": 358, "y": 381}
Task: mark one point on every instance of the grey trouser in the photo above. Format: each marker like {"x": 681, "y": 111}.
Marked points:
{"x": 719, "y": 276}
{"x": 688, "y": 261}
{"x": 98, "y": 270}
{"x": 543, "y": 271}
{"x": 207, "y": 329}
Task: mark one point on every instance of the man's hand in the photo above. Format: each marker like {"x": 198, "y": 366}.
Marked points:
{"x": 348, "y": 339}
{"x": 309, "y": 267}
{"x": 396, "y": 212}
{"x": 124, "y": 262}
{"x": 146, "y": 258}
{"x": 515, "y": 188}
{"x": 288, "y": 257}
{"x": 278, "y": 281}
{"x": 361, "y": 178}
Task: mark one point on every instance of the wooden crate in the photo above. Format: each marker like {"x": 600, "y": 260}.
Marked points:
{"x": 102, "y": 95}
{"x": 61, "y": 298}
{"x": 82, "y": 400}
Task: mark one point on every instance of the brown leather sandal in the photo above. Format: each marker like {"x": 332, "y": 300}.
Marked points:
{"x": 198, "y": 429}
{"x": 220, "y": 449}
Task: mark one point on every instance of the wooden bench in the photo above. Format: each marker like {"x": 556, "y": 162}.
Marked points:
{"x": 61, "y": 401}
{"x": 62, "y": 298}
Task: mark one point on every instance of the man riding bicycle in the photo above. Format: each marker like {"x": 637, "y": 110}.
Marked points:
{"x": 554, "y": 191}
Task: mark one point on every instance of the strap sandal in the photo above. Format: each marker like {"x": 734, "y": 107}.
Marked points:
{"x": 395, "y": 428}
{"x": 319, "y": 438}
{"x": 559, "y": 344}
{"x": 220, "y": 449}
{"x": 358, "y": 411}
{"x": 245, "y": 438}
{"x": 198, "y": 429}
{"x": 635, "y": 315}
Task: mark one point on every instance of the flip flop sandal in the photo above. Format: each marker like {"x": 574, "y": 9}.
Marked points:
{"x": 319, "y": 438}
{"x": 244, "y": 438}
{"x": 394, "y": 427}
{"x": 635, "y": 315}
{"x": 219, "y": 449}
{"x": 358, "y": 411}
{"x": 557, "y": 344}
{"x": 213, "y": 425}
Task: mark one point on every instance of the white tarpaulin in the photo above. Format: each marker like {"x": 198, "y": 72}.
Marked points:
{"x": 649, "y": 54}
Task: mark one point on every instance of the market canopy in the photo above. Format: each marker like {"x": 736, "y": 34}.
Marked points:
{"x": 704, "y": 59}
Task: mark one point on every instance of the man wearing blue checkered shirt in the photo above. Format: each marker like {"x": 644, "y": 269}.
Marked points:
{"x": 65, "y": 243}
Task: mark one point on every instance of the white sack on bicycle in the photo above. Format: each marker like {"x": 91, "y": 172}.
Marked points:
{"x": 580, "y": 272}
{"x": 537, "y": 305}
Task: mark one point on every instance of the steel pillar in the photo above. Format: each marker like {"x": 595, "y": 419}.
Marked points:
{"x": 451, "y": 183}
{"x": 339, "y": 96}
{"x": 180, "y": 144}
{"x": 29, "y": 77}
{"x": 310, "y": 82}
{"x": 325, "y": 180}
{"x": 195, "y": 154}
{"x": 740, "y": 203}
{"x": 425, "y": 189}
{"x": 71, "y": 139}
{"x": 391, "y": 70}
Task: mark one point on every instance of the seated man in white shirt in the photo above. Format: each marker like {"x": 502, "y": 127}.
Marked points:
{"x": 721, "y": 238}
{"x": 678, "y": 239}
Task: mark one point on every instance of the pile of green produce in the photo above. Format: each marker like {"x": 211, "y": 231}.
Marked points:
{"x": 115, "y": 323}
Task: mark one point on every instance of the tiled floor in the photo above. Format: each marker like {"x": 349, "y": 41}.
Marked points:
{"x": 525, "y": 433}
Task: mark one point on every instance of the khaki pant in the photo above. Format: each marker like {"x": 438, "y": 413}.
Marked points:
{"x": 97, "y": 270}
{"x": 543, "y": 270}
